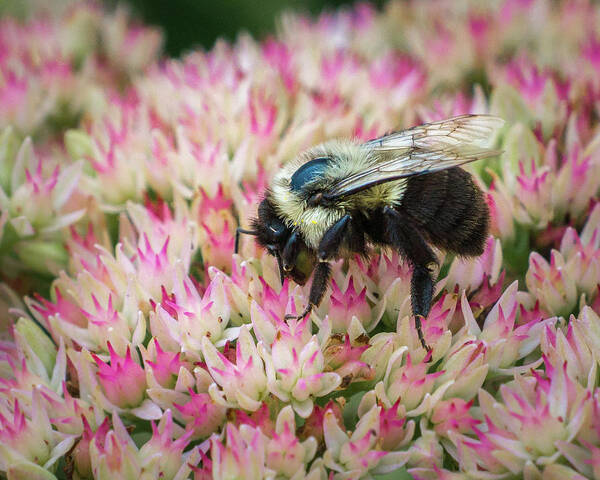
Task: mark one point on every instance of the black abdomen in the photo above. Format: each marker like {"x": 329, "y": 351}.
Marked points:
{"x": 449, "y": 209}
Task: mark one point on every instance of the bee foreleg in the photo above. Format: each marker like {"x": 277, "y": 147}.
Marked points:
{"x": 317, "y": 289}
{"x": 319, "y": 283}
{"x": 413, "y": 247}
{"x": 331, "y": 242}
{"x": 290, "y": 251}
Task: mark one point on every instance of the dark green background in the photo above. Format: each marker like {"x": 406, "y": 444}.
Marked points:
{"x": 192, "y": 23}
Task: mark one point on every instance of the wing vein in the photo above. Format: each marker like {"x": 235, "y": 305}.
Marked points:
{"x": 422, "y": 149}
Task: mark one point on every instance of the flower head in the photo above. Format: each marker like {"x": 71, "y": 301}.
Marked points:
{"x": 124, "y": 176}
{"x": 165, "y": 366}
{"x": 27, "y": 436}
{"x": 536, "y": 413}
{"x": 348, "y": 304}
{"x": 34, "y": 197}
{"x": 123, "y": 380}
{"x": 243, "y": 384}
{"x": 185, "y": 319}
{"x": 344, "y": 358}
{"x": 202, "y": 415}
{"x": 453, "y": 416}
{"x": 113, "y": 452}
{"x": 356, "y": 453}
{"x": 295, "y": 367}
{"x": 242, "y": 455}
{"x": 285, "y": 453}
{"x": 407, "y": 381}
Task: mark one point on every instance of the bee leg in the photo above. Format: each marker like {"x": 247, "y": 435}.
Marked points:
{"x": 280, "y": 267}
{"x": 329, "y": 247}
{"x": 319, "y": 284}
{"x": 413, "y": 247}
{"x": 290, "y": 251}
{"x": 421, "y": 294}
{"x": 317, "y": 289}
{"x": 330, "y": 244}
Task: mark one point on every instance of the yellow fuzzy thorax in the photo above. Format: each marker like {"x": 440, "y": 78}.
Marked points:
{"x": 348, "y": 158}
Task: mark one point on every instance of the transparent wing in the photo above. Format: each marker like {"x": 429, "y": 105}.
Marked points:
{"x": 423, "y": 149}
{"x": 464, "y": 129}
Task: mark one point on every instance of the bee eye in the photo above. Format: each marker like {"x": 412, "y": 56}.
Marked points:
{"x": 277, "y": 231}
{"x": 309, "y": 172}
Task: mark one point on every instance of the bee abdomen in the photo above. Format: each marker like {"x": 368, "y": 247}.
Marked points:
{"x": 450, "y": 210}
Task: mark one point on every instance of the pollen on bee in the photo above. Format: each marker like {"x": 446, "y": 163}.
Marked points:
{"x": 314, "y": 222}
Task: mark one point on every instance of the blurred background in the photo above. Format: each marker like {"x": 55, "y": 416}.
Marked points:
{"x": 199, "y": 23}
{"x": 191, "y": 23}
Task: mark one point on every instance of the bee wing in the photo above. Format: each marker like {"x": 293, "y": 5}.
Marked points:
{"x": 423, "y": 149}
{"x": 461, "y": 130}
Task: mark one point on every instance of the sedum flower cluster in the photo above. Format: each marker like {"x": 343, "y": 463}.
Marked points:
{"x": 134, "y": 344}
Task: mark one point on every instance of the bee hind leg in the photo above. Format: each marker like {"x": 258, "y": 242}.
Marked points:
{"x": 411, "y": 245}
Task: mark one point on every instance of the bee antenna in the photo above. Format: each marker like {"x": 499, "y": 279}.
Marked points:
{"x": 237, "y": 236}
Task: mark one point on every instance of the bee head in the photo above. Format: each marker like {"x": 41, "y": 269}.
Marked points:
{"x": 271, "y": 231}
{"x": 273, "y": 234}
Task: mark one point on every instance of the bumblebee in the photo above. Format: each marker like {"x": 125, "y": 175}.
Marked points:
{"x": 404, "y": 190}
